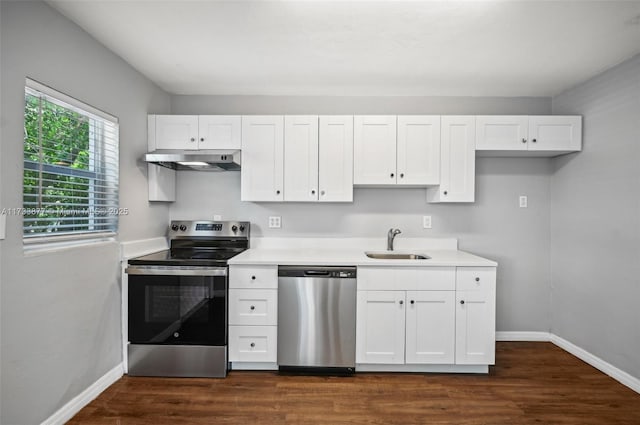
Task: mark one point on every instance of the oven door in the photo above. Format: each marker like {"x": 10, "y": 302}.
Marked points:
{"x": 178, "y": 305}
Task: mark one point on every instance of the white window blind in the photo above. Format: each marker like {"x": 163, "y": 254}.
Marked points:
{"x": 70, "y": 185}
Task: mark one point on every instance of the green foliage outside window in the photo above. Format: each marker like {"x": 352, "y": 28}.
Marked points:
{"x": 56, "y": 142}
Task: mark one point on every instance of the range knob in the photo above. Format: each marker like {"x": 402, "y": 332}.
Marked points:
{"x": 174, "y": 227}
{"x": 234, "y": 228}
{"x": 241, "y": 228}
{"x": 183, "y": 227}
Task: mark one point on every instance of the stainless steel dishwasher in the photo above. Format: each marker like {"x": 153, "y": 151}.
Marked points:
{"x": 317, "y": 319}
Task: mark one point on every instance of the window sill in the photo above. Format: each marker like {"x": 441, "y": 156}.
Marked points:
{"x": 33, "y": 248}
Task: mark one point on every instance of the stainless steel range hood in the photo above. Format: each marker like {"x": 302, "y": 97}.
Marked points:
{"x": 200, "y": 160}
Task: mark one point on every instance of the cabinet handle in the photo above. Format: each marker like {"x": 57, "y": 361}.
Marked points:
{"x": 392, "y": 175}
{"x": 202, "y": 139}
{"x": 253, "y": 344}
{"x": 253, "y": 278}
{"x": 444, "y": 193}
{"x": 277, "y": 192}
{"x": 252, "y": 307}
{"x": 461, "y": 301}
{"x": 193, "y": 139}
{"x": 477, "y": 279}
{"x": 401, "y": 175}
{"x": 401, "y": 302}
{"x": 533, "y": 140}
{"x": 313, "y": 191}
{"x": 524, "y": 140}
{"x": 413, "y": 302}
{"x": 322, "y": 192}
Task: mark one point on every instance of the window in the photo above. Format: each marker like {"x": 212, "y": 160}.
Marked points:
{"x": 70, "y": 186}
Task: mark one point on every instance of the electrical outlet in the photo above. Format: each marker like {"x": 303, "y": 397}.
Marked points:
{"x": 275, "y": 222}
{"x": 426, "y": 221}
{"x": 217, "y": 217}
{"x": 523, "y": 202}
{"x": 3, "y": 225}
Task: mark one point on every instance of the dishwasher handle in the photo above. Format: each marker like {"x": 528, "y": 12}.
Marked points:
{"x": 336, "y": 272}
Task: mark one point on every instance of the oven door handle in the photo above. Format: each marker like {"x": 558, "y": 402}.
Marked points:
{"x": 176, "y": 271}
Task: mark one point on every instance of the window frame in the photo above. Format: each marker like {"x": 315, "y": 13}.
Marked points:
{"x": 63, "y": 239}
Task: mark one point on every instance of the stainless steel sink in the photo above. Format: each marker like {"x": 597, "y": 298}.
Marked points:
{"x": 396, "y": 256}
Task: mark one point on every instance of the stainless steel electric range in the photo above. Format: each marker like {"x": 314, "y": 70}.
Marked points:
{"x": 178, "y": 301}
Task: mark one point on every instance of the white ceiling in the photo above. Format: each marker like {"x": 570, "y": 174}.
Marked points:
{"x": 444, "y": 48}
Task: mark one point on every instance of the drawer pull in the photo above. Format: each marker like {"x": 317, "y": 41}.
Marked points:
{"x": 253, "y": 344}
{"x": 477, "y": 279}
{"x": 253, "y": 278}
{"x": 462, "y": 302}
{"x": 252, "y": 307}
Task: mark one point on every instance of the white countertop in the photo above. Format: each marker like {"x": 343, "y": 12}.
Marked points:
{"x": 348, "y": 253}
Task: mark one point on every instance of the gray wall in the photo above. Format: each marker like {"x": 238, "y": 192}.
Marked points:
{"x": 60, "y": 312}
{"x": 595, "y": 220}
{"x": 493, "y": 226}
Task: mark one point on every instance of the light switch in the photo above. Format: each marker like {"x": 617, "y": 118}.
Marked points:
{"x": 523, "y": 202}
{"x": 275, "y": 222}
{"x": 426, "y": 221}
{"x": 3, "y": 225}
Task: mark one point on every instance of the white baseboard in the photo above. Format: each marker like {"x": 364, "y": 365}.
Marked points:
{"x": 523, "y": 336}
{"x": 619, "y": 375}
{"x": 67, "y": 411}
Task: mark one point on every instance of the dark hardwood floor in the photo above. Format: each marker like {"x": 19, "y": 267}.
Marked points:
{"x": 532, "y": 383}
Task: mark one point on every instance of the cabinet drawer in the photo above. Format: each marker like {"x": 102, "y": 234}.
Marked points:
{"x": 406, "y": 278}
{"x": 265, "y": 277}
{"x": 253, "y": 343}
{"x": 253, "y": 307}
{"x": 475, "y": 278}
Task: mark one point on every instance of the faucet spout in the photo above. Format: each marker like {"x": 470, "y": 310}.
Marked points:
{"x": 391, "y": 235}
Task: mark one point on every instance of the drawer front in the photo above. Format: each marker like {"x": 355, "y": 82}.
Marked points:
{"x": 253, "y": 307}
{"x": 253, "y": 343}
{"x": 406, "y": 278}
{"x": 263, "y": 277}
{"x": 475, "y": 278}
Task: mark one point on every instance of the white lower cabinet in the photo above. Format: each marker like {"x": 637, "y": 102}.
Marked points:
{"x": 442, "y": 316}
{"x": 475, "y": 315}
{"x": 430, "y": 327}
{"x": 253, "y": 316}
{"x": 380, "y": 325}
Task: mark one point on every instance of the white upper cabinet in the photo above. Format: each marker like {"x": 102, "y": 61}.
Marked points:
{"x": 336, "y": 158}
{"x": 219, "y": 132}
{"x": 301, "y": 158}
{"x": 374, "y": 146}
{"x": 555, "y": 133}
{"x": 457, "y": 160}
{"x": 418, "y": 150}
{"x": 262, "y": 158}
{"x": 176, "y": 131}
{"x": 496, "y": 132}
{"x": 197, "y": 132}
{"x": 528, "y": 135}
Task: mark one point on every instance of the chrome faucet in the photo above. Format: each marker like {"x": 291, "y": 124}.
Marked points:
{"x": 390, "y": 237}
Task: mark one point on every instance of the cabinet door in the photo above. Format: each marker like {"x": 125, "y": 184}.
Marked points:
{"x": 457, "y": 155}
{"x": 430, "y": 327}
{"x": 418, "y": 155}
{"x": 301, "y": 158}
{"x": 495, "y": 132}
{"x": 262, "y": 158}
{"x": 475, "y": 327}
{"x": 380, "y": 327}
{"x": 374, "y": 146}
{"x": 555, "y": 133}
{"x": 219, "y": 131}
{"x": 336, "y": 159}
{"x": 176, "y": 132}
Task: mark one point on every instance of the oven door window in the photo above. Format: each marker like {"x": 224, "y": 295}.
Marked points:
{"x": 189, "y": 310}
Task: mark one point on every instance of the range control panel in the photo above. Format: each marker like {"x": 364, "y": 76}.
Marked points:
{"x": 205, "y": 228}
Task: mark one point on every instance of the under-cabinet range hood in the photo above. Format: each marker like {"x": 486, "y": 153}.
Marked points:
{"x": 200, "y": 160}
